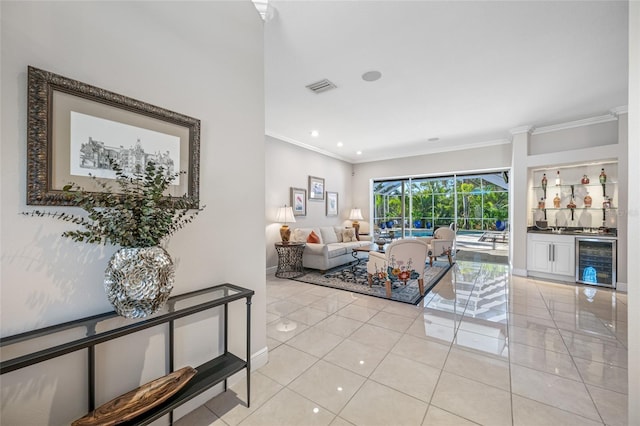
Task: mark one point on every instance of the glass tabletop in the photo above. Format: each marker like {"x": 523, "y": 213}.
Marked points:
{"x": 101, "y": 325}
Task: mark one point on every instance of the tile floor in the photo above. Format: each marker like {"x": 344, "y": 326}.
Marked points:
{"x": 482, "y": 348}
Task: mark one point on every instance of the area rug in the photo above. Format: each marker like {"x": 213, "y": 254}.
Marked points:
{"x": 354, "y": 279}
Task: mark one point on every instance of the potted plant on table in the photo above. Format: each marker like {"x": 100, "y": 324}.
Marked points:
{"x": 138, "y": 217}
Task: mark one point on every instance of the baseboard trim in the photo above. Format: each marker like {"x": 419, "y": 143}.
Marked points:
{"x": 271, "y": 270}
{"x": 260, "y": 358}
{"x": 519, "y": 272}
{"x": 622, "y": 287}
{"x": 552, "y": 277}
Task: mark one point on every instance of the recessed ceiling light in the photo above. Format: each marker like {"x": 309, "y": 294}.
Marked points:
{"x": 371, "y": 75}
{"x": 315, "y": 133}
{"x": 358, "y": 152}
{"x": 339, "y": 144}
{"x": 433, "y": 139}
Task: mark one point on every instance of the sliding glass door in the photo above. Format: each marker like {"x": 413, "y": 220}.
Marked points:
{"x": 417, "y": 206}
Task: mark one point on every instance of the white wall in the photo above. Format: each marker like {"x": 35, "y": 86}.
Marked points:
{"x": 202, "y": 59}
{"x": 605, "y": 133}
{"x": 518, "y": 203}
{"x": 633, "y": 269}
{"x": 289, "y": 166}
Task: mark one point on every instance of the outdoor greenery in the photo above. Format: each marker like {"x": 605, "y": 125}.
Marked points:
{"x": 473, "y": 202}
{"x": 137, "y": 215}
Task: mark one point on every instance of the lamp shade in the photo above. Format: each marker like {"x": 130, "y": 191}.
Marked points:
{"x": 285, "y": 215}
{"x": 355, "y": 214}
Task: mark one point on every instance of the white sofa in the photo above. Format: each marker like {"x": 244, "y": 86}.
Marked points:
{"x": 332, "y": 250}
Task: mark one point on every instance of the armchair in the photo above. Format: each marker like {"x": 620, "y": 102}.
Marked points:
{"x": 402, "y": 261}
{"x": 442, "y": 243}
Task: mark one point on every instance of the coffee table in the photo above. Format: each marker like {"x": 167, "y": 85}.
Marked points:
{"x": 367, "y": 249}
{"x": 363, "y": 249}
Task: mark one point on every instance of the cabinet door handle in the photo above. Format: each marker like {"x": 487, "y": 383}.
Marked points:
{"x": 553, "y": 247}
{"x": 549, "y": 251}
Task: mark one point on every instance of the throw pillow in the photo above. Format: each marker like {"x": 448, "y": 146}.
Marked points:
{"x": 328, "y": 235}
{"x": 297, "y": 236}
{"x": 313, "y": 238}
{"x": 348, "y": 235}
{"x": 338, "y": 231}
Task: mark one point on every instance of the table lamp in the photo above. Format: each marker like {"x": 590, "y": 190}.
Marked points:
{"x": 285, "y": 215}
{"x": 355, "y": 215}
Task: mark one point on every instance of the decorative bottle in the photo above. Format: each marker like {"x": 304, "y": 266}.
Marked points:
{"x": 587, "y": 200}
{"x": 603, "y": 177}
{"x": 558, "y": 178}
{"x": 585, "y": 180}
{"x": 556, "y": 201}
{"x": 544, "y": 181}
{"x": 606, "y": 204}
{"x": 541, "y": 203}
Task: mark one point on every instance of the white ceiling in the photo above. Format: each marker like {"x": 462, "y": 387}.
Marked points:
{"x": 464, "y": 72}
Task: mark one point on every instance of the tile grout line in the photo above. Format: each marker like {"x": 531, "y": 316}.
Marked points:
{"x": 547, "y": 296}
{"x": 455, "y": 333}
{"x": 595, "y": 406}
{"x": 513, "y": 420}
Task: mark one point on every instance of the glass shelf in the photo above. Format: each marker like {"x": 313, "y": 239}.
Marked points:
{"x": 568, "y": 186}
{"x": 577, "y": 208}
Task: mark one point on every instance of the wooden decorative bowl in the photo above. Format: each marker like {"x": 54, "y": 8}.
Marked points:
{"x": 133, "y": 403}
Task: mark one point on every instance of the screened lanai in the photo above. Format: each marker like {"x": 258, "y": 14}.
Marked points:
{"x": 476, "y": 204}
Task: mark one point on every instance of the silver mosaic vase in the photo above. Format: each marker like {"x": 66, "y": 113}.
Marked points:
{"x": 139, "y": 280}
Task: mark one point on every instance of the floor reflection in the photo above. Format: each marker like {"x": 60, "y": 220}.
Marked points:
{"x": 470, "y": 310}
{"x": 475, "y": 310}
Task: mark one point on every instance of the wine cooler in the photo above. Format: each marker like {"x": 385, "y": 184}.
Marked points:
{"x": 596, "y": 261}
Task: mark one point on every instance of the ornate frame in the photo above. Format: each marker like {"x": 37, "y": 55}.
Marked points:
{"x": 43, "y": 85}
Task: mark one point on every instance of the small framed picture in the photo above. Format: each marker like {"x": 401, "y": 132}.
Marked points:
{"x": 332, "y": 203}
{"x": 316, "y": 188}
{"x": 299, "y": 201}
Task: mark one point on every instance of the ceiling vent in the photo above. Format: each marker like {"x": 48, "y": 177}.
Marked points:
{"x": 321, "y": 86}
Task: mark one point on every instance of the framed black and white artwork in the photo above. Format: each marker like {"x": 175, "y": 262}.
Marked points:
{"x": 75, "y": 130}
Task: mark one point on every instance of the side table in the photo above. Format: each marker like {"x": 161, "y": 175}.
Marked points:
{"x": 289, "y": 259}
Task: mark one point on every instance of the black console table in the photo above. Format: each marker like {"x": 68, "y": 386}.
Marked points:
{"x": 82, "y": 334}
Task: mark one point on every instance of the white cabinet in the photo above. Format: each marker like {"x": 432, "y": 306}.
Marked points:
{"x": 564, "y": 257}
{"x": 549, "y": 254}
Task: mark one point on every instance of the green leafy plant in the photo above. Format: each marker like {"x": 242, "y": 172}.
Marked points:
{"x": 137, "y": 215}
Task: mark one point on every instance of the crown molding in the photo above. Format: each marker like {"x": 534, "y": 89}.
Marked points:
{"x": 578, "y": 123}
{"x": 432, "y": 150}
{"x": 306, "y": 146}
{"x": 620, "y": 110}
{"x": 520, "y": 130}
{"x": 436, "y": 150}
